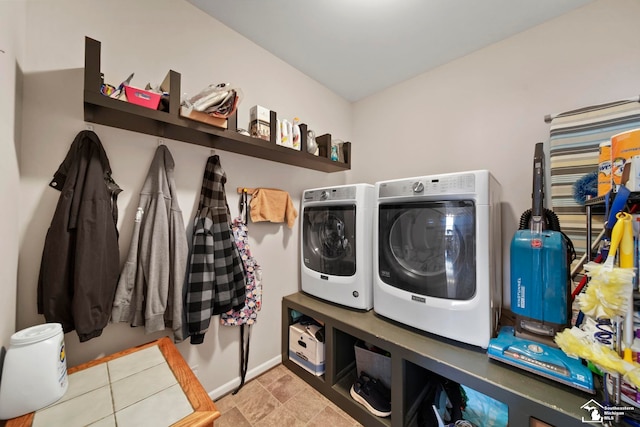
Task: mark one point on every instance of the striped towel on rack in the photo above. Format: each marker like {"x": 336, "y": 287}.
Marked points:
{"x": 574, "y": 140}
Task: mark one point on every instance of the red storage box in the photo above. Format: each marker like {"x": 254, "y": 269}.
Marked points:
{"x": 142, "y": 97}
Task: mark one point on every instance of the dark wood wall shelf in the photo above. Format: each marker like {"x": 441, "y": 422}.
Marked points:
{"x": 103, "y": 110}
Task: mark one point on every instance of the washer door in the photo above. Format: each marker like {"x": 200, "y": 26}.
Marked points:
{"x": 428, "y": 248}
{"x": 329, "y": 239}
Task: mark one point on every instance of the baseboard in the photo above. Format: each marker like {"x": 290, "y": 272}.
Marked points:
{"x": 252, "y": 373}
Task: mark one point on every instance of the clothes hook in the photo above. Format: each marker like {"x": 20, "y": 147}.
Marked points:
{"x": 160, "y": 142}
{"x": 89, "y": 127}
{"x": 213, "y": 152}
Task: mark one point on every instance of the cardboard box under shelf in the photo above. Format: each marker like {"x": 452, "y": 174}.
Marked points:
{"x": 305, "y": 349}
{"x": 376, "y": 365}
{"x": 203, "y": 118}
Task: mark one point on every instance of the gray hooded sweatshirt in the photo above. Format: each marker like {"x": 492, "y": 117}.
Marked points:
{"x": 150, "y": 288}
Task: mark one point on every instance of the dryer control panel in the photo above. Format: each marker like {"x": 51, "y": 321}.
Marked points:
{"x": 333, "y": 193}
{"x": 429, "y": 185}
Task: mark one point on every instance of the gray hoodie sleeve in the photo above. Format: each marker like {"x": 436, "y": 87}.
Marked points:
{"x": 122, "y": 310}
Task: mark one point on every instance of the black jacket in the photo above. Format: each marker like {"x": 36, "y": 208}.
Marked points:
{"x": 81, "y": 260}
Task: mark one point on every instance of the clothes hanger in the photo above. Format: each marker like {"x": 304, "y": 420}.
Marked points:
{"x": 246, "y": 190}
{"x": 244, "y": 207}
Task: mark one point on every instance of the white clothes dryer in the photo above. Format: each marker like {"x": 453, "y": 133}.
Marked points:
{"x": 336, "y": 236}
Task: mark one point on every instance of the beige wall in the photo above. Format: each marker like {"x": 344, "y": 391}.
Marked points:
{"x": 482, "y": 111}
{"x": 486, "y": 110}
{"x": 150, "y": 37}
{"x": 12, "y": 24}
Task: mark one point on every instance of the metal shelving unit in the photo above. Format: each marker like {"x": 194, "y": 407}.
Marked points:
{"x": 597, "y": 204}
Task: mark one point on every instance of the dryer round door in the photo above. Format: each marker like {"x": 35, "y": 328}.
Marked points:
{"x": 428, "y": 248}
{"x": 329, "y": 240}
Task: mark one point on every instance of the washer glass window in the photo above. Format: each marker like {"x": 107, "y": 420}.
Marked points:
{"x": 329, "y": 239}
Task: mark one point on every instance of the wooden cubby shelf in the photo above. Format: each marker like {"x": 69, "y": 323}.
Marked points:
{"x": 531, "y": 399}
{"x": 103, "y": 110}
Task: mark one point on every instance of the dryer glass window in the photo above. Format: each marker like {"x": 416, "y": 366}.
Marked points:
{"x": 428, "y": 248}
{"x": 329, "y": 238}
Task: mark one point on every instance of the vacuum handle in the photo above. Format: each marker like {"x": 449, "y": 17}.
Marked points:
{"x": 537, "y": 209}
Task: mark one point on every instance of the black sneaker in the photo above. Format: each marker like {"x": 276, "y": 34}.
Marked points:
{"x": 381, "y": 389}
{"x": 372, "y": 395}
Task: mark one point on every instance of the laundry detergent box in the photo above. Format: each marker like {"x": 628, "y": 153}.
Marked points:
{"x": 260, "y": 122}
{"x": 305, "y": 349}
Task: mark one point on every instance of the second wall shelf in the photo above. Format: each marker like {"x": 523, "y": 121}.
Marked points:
{"x": 103, "y": 110}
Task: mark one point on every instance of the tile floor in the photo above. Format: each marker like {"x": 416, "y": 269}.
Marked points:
{"x": 279, "y": 398}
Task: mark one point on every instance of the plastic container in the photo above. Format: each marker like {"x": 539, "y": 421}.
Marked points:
{"x": 142, "y": 97}
{"x": 286, "y": 130}
{"x": 295, "y": 134}
{"x": 336, "y": 150}
{"x": 34, "y": 374}
{"x": 605, "y": 178}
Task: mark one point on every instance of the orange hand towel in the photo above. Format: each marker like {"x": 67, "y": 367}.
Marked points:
{"x": 272, "y": 205}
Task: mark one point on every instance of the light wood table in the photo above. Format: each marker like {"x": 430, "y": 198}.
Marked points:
{"x": 203, "y": 411}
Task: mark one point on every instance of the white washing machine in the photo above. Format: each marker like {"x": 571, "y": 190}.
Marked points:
{"x": 336, "y": 236}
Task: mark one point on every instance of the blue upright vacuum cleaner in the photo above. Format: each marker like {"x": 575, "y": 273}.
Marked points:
{"x": 540, "y": 289}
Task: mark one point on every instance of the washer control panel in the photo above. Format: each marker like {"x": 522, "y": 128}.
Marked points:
{"x": 330, "y": 194}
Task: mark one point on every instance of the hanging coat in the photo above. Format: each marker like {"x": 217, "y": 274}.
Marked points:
{"x": 81, "y": 259}
{"x": 150, "y": 289}
{"x": 248, "y": 314}
{"x": 216, "y": 282}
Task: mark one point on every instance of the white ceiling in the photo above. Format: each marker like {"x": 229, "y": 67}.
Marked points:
{"x": 359, "y": 47}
